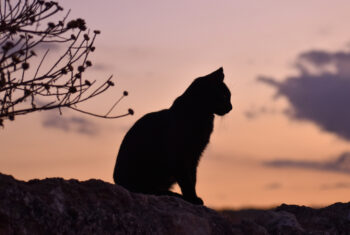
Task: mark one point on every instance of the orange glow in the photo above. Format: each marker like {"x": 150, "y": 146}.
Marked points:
{"x": 155, "y": 50}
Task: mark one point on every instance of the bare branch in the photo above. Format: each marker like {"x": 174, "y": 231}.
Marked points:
{"x": 26, "y": 85}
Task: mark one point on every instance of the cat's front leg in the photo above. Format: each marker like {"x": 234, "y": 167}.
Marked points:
{"x": 186, "y": 179}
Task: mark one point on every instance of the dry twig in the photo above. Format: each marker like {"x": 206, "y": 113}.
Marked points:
{"x": 24, "y": 27}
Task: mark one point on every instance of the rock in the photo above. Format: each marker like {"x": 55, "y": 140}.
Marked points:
{"x": 250, "y": 227}
{"x": 329, "y": 220}
{"x": 264, "y": 222}
{"x": 58, "y": 206}
{"x": 293, "y": 219}
{"x": 279, "y": 223}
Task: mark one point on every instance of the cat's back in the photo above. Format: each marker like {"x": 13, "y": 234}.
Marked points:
{"x": 141, "y": 147}
{"x": 148, "y": 125}
{"x": 143, "y": 137}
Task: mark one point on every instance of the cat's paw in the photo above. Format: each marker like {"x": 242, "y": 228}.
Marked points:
{"x": 196, "y": 200}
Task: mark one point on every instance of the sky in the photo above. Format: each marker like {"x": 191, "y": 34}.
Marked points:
{"x": 287, "y": 139}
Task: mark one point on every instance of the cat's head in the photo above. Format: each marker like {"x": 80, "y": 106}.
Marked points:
{"x": 211, "y": 94}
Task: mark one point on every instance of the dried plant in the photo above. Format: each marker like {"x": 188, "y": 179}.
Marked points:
{"x": 26, "y": 86}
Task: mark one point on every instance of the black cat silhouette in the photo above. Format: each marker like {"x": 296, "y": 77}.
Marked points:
{"x": 164, "y": 147}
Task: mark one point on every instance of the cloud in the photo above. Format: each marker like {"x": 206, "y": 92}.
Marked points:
{"x": 341, "y": 164}
{"x": 339, "y": 185}
{"x": 71, "y": 124}
{"x": 255, "y": 112}
{"x": 48, "y": 46}
{"x": 39, "y": 48}
{"x": 321, "y": 91}
{"x": 273, "y": 186}
{"x": 101, "y": 67}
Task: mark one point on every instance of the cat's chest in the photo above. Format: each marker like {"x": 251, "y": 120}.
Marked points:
{"x": 187, "y": 133}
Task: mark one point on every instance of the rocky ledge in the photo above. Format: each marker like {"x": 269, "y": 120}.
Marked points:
{"x": 293, "y": 220}
{"x": 58, "y": 206}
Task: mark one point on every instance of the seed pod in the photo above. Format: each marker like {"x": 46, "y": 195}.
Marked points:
{"x": 25, "y": 66}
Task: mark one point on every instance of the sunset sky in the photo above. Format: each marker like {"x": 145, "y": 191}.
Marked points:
{"x": 287, "y": 64}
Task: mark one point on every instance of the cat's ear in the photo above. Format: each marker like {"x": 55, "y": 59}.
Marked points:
{"x": 218, "y": 75}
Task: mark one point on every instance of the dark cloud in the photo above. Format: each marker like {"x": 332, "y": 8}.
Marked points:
{"x": 321, "y": 91}
{"x": 39, "y": 48}
{"x": 273, "y": 186}
{"x": 48, "y": 46}
{"x": 338, "y": 185}
{"x": 70, "y": 124}
{"x": 340, "y": 164}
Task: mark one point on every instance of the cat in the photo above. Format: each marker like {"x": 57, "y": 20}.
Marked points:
{"x": 164, "y": 147}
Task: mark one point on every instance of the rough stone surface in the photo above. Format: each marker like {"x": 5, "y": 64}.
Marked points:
{"x": 58, "y": 206}
{"x": 293, "y": 219}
